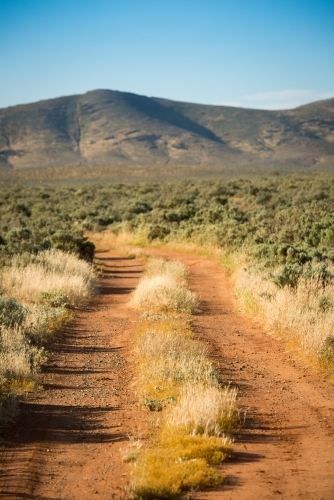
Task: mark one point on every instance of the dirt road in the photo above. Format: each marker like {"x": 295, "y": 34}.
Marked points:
{"x": 67, "y": 442}
{"x": 68, "y": 438}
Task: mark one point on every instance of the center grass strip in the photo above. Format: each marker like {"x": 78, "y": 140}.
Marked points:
{"x": 176, "y": 377}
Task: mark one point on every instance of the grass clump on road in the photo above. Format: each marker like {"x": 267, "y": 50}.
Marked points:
{"x": 204, "y": 410}
{"x": 164, "y": 289}
{"x": 176, "y": 378}
{"x": 165, "y": 475}
{"x": 168, "y": 357}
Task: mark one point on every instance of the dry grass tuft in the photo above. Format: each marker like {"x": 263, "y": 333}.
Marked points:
{"x": 162, "y": 475}
{"x": 163, "y": 289}
{"x": 210, "y": 448}
{"x": 165, "y": 340}
{"x": 49, "y": 271}
{"x": 304, "y": 314}
{"x": 18, "y": 359}
{"x": 174, "y": 268}
{"x": 168, "y": 357}
{"x": 133, "y": 449}
{"x": 163, "y": 294}
{"x": 204, "y": 410}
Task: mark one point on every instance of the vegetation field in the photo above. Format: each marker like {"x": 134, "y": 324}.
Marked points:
{"x": 80, "y": 175}
{"x": 274, "y": 234}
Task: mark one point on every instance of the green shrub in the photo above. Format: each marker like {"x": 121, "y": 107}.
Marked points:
{"x": 158, "y": 233}
{"x": 11, "y": 312}
{"x": 327, "y": 350}
{"x": 288, "y": 276}
{"x": 324, "y": 303}
{"x": 53, "y": 298}
{"x": 282, "y": 220}
{"x": 74, "y": 244}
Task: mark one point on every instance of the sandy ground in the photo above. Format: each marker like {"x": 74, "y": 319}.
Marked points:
{"x": 69, "y": 439}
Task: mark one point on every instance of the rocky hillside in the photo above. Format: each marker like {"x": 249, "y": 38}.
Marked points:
{"x": 108, "y": 127}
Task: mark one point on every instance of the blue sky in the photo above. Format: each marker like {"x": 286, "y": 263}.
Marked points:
{"x": 259, "y": 54}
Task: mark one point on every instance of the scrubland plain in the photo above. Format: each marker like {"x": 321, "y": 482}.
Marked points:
{"x": 274, "y": 234}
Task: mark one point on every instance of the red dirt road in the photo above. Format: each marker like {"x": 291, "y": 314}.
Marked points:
{"x": 66, "y": 444}
{"x": 68, "y": 438}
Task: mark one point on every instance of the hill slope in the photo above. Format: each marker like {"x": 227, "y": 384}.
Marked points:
{"x": 109, "y": 127}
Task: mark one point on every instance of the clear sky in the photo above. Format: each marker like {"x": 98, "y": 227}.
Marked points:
{"x": 260, "y": 54}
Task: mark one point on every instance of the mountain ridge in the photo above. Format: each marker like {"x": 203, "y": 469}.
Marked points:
{"x": 111, "y": 127}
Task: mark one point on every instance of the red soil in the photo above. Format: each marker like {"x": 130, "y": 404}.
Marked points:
{"x": 67, "y": 442}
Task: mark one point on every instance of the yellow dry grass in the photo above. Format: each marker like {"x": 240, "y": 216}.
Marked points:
{"x": 304, "y": 314}
{"x": 204, "y": 410}
{"x": 176, "y": 377}
{"x": 44, "y": 285}
{"x": 160, "y": 347}
{"x": 159, "y": 475}
{"x": 162, "y": 294}
{"x": 18, "y": 359}
{"x": 163, "y": 289}
{"x": 53, "y": 270}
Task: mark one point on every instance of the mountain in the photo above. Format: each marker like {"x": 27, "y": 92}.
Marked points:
{"x": 108, "y": 127}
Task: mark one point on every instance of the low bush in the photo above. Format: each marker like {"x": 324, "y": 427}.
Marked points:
{"x": 12, "y": 312}
{"x": 78, "y": 245}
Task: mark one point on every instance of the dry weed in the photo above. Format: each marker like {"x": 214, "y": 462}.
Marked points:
{"x": 157, "y": 342}
{"x": 163, "y": 294}
{"x": 163, "y": 475}
{"x": 37, "y": 289}
{"x": 168, "y": 356}
{"x": 203, "y": 410}
{"x": 131, "y": 452}
{"x": 18, "y": 359}
{"x": 158, "y": 267}
{"x": 210, "y": 448}
{"x": 49, "y": 271}
{"x": 164, "y": 289}
{"x": 305, "y": 314}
